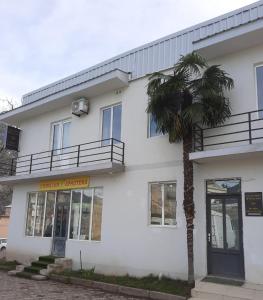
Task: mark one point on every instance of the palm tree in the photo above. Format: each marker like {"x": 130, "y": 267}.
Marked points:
{"x": 193, "y": 94}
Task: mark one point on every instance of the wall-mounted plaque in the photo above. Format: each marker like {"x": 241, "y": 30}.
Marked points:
{"x": 253, "y": 202}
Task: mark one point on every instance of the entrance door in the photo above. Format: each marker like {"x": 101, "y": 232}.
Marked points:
{"x": 61, "y": 223}
{"x": 224, "y": 236}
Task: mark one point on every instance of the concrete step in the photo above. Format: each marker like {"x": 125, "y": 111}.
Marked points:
{"x": 213, "y": 291}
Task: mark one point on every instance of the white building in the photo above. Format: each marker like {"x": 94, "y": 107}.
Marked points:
{"x": 115, "y": 190}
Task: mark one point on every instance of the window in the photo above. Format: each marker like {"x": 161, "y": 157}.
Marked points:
{"x": 152, "y": 127}
{"x": 86, "y": 215}
{"x": 163, "y": 204}
{"x": 61, "y": 135}
{"x": 259, "y": 75}
{"x": 40, "y": 214}
{"x": 111, "y": 123}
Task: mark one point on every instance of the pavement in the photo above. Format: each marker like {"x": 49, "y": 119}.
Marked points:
{"x": 14, "y": 288}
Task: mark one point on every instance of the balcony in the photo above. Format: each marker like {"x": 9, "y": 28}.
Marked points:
{"x": 93, "y": 158}
{"x": 241, "y": 134}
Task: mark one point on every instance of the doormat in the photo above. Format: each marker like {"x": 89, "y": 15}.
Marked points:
{"x": 221, "y": 280}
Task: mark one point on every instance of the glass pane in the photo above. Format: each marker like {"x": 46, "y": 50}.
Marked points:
{"x": 106, "y": 125}
{"x": 259, "y": 71}
{"x": 40, "y": 213}
{"x": 56, "y": 137}
{"x": 66, "y": 134}
{"x": 232, "y": 224}
{"x": 217, "y": 230}
{"x": 32, "y": 198}
{"x": 75, "y": 215}
{"x": 153, "y": 127}
{"x": 170, "y": 204}
{"x": 116, "y": 127}
{"x": 227, "y": 186}
{"x": 156, "y": 204}
{"x": 97, "y": 214}
{"x": 85, "y": 216}
{"x": 49, "y": 218}
{"x": 62, "y": 213}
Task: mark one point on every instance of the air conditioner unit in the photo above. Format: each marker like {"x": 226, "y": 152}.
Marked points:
{"x": 80, "y": 107}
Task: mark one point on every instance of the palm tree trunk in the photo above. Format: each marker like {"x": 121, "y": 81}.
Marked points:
{"x": 189, "y": 203}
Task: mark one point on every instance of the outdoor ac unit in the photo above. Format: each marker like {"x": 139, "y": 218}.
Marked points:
{"x": 80, "y": 107}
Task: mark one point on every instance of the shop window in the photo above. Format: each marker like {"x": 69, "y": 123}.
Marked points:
{"x": 40, "y": 214}
{"x": 111, "y": 123}
{"x": 163, "y": 204}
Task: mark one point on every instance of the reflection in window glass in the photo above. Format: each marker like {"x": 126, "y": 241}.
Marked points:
{"x": 169, "y": 204}
{"x": 75, "y": 214}
{"x": 32, "y": 199}
{"x": 40, "y": 213}
{"x": 97, "y": 214}
{"x": 228, "y": 186}
{"x": 49, "y": 218}
{"x": 259, "y": 73}
{"x": 156, "y": 204}
{"x": 106, "y": 125}
{"x": 232, "y": 224}
{"x": 116, "y": 127}
{"x": 85, "y": 215}
{"x": 217, "y": 229}
{"x": 153, "y": 131}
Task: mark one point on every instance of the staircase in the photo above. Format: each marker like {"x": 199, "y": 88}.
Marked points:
{"x": 213, "y": 291}
{"x": 40, "y": 269}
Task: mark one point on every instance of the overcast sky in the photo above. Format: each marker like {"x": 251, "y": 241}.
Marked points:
{"x": 45, "y": 40}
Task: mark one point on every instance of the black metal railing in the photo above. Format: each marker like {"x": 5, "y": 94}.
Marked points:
{"x": 239, "y": 129}
{"x": 106, "y": 150}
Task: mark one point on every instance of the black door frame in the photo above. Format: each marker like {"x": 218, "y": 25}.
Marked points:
{"x": 208, "y": 229}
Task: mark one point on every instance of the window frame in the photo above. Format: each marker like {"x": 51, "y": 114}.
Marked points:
{"x": 44, "y": 217}
{"x": 150, "y": 203}
{"x": 260, "y": 113}
{"x": 111, "y": 121}
{"x": 149, "y": 136}
{"x": 61, "y": 132}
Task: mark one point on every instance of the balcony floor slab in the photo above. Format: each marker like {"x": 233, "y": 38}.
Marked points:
{"x": 244, "y": 151}
{"x": 89, "y": 170}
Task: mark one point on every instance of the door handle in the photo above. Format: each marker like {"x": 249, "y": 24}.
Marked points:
{"x": 209, "y": 237}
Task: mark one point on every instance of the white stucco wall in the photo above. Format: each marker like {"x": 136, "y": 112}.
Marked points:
{"x": 129, "y": 244}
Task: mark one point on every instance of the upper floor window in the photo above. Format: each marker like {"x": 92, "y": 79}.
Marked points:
{"x": 163, "y": 203}
{"x": 259, "y": 74}
{"x": 152, "y": 127}
{"x": 61, "y": 134}
{"x": 111, "y": 123}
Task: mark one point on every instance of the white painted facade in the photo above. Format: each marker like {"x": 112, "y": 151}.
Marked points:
{"x": 129, "y": 243}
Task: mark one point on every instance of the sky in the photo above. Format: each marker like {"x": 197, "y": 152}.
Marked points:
{"x": 45, "y": 40}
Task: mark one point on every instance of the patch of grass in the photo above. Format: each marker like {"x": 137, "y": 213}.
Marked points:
{"x": 7, "y": 265}
{"x": 151, "y": 282}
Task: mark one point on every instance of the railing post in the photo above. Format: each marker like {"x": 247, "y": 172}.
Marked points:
{"x": 249, "y": 128}
{"x": 11, "y": 169}
{"x": 51, "y": 160}
{"x": 123, "y": 146}
{"x": 111, "y": 151}
{"x": 78, "y": 155}
{"x": 31, "y": 161}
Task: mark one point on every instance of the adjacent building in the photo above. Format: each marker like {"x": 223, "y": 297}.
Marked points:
{"x": 94, "y": 177}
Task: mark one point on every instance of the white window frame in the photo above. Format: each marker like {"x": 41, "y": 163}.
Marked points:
{"x": 149, "y": 116}
{"x": 61, "y": 129}
{"x": 111, "y": 121}
{"x": 44, "y": 217}
{"x": 150, "y": 203}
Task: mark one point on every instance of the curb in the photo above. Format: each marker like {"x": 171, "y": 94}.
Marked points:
{"x": 115, "y": 288}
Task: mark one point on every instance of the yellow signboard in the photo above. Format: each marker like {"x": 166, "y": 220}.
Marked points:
{"x": 64, "y": 184}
